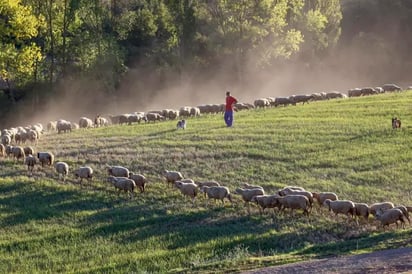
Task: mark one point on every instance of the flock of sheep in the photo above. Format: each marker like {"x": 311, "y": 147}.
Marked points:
{"x": 13, "y": 144}
{"x": 293, "y": 198}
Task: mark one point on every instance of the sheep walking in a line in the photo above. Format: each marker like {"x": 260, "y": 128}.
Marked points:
{"x": 84, "y": 172}
{"x": 140, "y": 181}
{"x": 189, "y": 189}
{"x": 62, "y": 170}
{"x": 390, "y": 216}
{"x": 123, "y": 184}
{"x": 217, "y": 193}
{"x": 248, "y": 194}
{"x": 30, "y": 162}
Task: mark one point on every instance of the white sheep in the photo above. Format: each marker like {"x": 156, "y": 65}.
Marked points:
{"x": 322, "y": 196}
{"x": 248, "y": 194}
{"x": 118, "y": 171}
{"x": 30, "y": 162}
{"x": 362, "y": 210}
{"x": 18, "y": 153}
{"x": 123, "y": 183}
{"x": 172, "y": 176}
{"x": 404, "y": 211}
{"x": 293, "y": 202}
{"x": 51, "y": 126}
{"x": 45, "y": 158}
{"x": 85, "y": 122}
{"x": 2, "y": 150}
{"x": 62, "y": 170}
{"x": 84, "y": 172}
{"x": 340, "y": 207}
{"x": 291, "y": 191}
{"x": 373, "y": 208}
{"x": 188, "y": 189}
{"x": 249, "y": 186}
{"x": 217, "y": 193}
{"x": 206, "y": 183}
{"x": 139, "y": 179}
{"x": 63, "y": 126}
{"x": 390, "y": 216}
{"x": 28, "y": 150}
{"x": 266, "y": 201}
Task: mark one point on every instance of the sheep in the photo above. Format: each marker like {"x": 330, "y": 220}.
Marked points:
{"x": 2, "y": 150}
{"x": 172, "y": 176}
{"x": 390, "y": 216}
{"x": 293, "y": 202}
{"x": 118, "y": 171}
{"x": 84, "y": 172}
{"x": 217, "y": 193}
{"x": 188, "y": 189}
{"x": 6, "y": 139}
{"x": 261, "y": 102}
{"x": 340, "y": 207}
{"x": 362, "y": 210}
{"x": 206, "y": 183}
{"x": 194, "y": 111}
{"x": 18, "y": 152}
{"x": 139, "y": 179}
{"x": 100, "y": 121}
{"x": 51, "y": 126}
{"x": 9, "y": 151}
{"x": 123, "y": 183}
{"x": 289, "y": 191}
{"x": 266, "y": 201}
{"x": 85, "y": 122}
{"x": 249, "y": 186}
{"x": 391, "y": 87}
{"x": 28, "y": 150}
{"x": 404, "y": 211}
{"x": 30, "y": 162}
{"x": 62, "y": 169}
{"x": 63, "y": 126}
{"x": 248, "y": 194}
{"x": 151, "y": 116}
{"x": 396, "y": 123}
{"x": 45, "y": 158}
{"x": 322, "y": 196}
{"x": 376, "y": 206}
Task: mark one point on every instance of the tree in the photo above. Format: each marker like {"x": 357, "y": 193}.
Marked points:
{"x": 18, "y": 53}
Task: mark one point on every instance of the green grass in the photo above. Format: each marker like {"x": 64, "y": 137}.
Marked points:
{"x": 346, "y": 146}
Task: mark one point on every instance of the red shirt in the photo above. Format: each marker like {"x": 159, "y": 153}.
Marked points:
{"x": 230, "y": 100}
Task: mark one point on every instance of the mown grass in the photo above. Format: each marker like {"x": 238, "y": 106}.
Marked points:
{"x": 346, "y": 146}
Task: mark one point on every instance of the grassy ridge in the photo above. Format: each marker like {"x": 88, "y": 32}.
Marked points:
{"x": 346, "y": 146}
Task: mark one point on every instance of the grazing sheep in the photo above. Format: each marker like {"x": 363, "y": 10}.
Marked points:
{"x": 217, "y": 193}
{"x": 18, "y": 153}
{"x": 362, "y": 210}
{"x": 172, "y": 176}
{"x": 84, "y": 172}
{"x": 383, "y": 206}
{"x": 188, "y": 189}
{"x": 390, "y": 216}
{"x": 340, "y": 207}
{"x": 249, "y": 186}
{"x": 118, "y": 171}
{"x": 290, "y": 191}
{"x": 248, "y": 194}
{"x": 261, "y": 103}
{"x": 404, "y": 211}
{"x": 30, "y": 162}
{"x": 293, "y": 202}
{"x": 391, "y": 87}
{"x": 63, "y": 126}
{"x": 28, "y": 150}
{"x": 153, "y": 117}
{"x": 123, "y": 183}
{"x": 45, "y": 158}
{"x": 139, "y": 179}
{"x": 266, "y": 201}
{"x": 322, "y": 196}
{"x": 62, "y": 170}
{"x": 51, "y": 126}
{"x": 85, "y": 122}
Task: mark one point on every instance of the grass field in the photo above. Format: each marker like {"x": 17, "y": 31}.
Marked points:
{"x": 345, "y": 145}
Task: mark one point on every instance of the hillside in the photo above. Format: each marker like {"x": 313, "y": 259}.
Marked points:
{"x": 344, "y": 145}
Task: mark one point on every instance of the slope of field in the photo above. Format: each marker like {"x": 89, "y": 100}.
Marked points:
{"x": 346, "y": 146}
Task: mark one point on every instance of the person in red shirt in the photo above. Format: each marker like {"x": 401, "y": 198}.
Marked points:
{"x": 230, "y": 101}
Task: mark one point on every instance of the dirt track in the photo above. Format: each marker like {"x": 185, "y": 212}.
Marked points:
{"x": 386, "y": 261}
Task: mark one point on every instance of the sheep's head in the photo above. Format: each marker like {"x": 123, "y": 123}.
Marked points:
{"x": 327, "y": 203}
{"x": 178, "y": 184}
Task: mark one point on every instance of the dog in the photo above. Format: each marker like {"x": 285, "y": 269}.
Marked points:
{"x": 181, "y": 124}
{"x": 396, "y": 123}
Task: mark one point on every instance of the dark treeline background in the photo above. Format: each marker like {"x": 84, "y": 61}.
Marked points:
{"x": 70, "y": 58}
